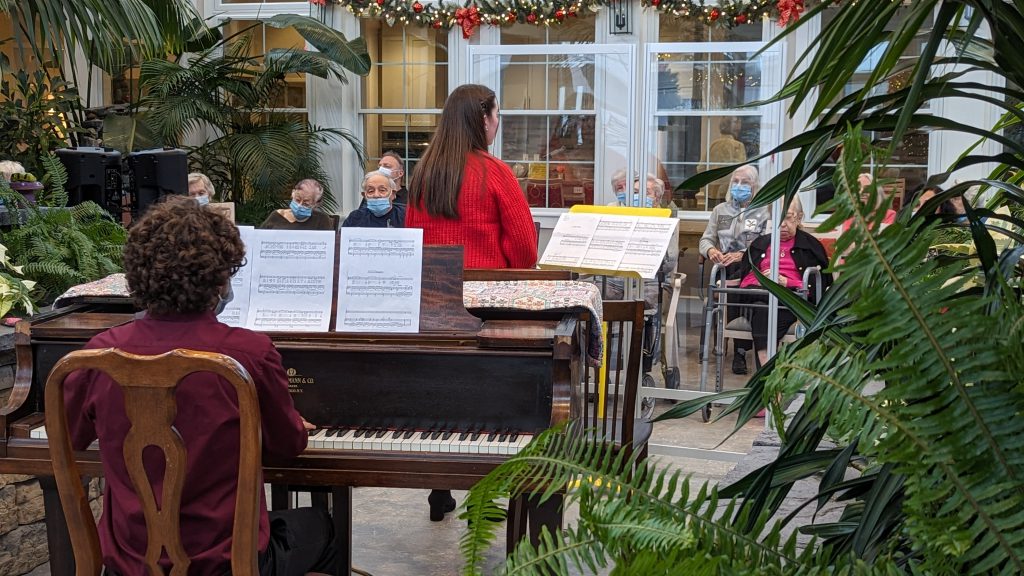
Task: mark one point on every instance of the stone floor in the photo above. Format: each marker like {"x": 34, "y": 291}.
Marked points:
{"x": 394, "y": 537}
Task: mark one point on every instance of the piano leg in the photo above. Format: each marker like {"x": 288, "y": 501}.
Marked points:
{"x": 62, "y": 556}
{"x": 341, "y": 513}
{"x": 515, "y": 527}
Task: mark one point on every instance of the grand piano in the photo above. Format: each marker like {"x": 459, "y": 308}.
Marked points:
{"x": 438, "y": 409}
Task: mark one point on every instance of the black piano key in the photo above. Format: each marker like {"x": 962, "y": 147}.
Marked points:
{"x": 492, "y": 436}
{"x": 436, "y": 434}
{"x": 503, "y": 437}
{"x": 381, "y": 432}
{"x": 332, "y": 432}
{"x": 514, "y": 437}
{"x": 408, "y": 434}
{"x": 475, "y": 436}
{"x": 313, "y": 432}
{"x": 463, "y": 436}
{"x": 397, "y": 434}
{"x": 447, "y": 435}
{"x": 426, "y": 434}
{"x": 361, "y": 432}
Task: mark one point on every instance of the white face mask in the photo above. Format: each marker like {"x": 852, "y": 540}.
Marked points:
{"x": 203, "y": 199}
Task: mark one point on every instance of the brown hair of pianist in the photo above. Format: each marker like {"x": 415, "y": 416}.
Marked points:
{"x": 178, "y": 261}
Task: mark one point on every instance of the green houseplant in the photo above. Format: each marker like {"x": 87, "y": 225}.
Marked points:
{"x": 938, "y": 466}
{"x": 58, "y": 247}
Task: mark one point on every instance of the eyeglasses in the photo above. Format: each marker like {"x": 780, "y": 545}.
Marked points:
{"x": 381, "y": 191}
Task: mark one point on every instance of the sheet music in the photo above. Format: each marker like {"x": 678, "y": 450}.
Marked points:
{"x": 610, "y": 243}
{"x": 236, "y": 313}
{"x": 292, "y": 280}
{"x": 380, "y": 280}
{"x": 570, "y": 240}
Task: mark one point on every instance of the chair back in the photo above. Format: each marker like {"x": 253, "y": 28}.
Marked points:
{"x": 614, "y": 419}
{"x": 149, "y": 384}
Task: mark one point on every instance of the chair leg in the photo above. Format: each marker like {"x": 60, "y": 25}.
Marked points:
{"x": 62, "y": 556}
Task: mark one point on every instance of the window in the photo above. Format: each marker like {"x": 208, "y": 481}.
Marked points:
{"x": 260, "y": 38}
{"x": 700, "y": 118}
{"x": 405, "y": 90}
{"x": 907, "y": 170}
{"x": 672, "y": 29}
{"x": 566, "y": 117}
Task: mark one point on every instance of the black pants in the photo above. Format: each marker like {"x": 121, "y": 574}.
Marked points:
{"x": 759, "y": 319}
{"x": 301, "y": 541}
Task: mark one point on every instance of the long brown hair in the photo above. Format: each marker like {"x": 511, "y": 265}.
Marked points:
{"x": 437, "y": 179}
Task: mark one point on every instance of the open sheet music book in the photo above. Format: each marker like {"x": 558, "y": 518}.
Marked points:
{"x": 288, "y": 281}
{"x": 611, "y": 244}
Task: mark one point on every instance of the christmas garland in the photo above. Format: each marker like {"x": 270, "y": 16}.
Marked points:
{"x": 475, "y": 13}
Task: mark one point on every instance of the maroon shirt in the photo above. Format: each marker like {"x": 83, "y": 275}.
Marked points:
{"x": 208, "y": 423}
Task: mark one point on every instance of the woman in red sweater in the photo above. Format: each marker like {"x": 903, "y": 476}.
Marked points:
{"x": 461, "y": 195}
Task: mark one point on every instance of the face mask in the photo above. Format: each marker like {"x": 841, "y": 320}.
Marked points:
{"x": 379, "y": 206}
{"x": 203, "y": 200}
{"x": 386, "y": 171}
{"x": 224, "y": 299}
{"x": 301, "y": 212}
{"x": 741, "y": 193}
{"x": 621, "y": 196}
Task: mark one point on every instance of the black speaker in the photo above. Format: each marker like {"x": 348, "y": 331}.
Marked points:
{"x": 157, "y": 173}
{"x": 93, "y": 174}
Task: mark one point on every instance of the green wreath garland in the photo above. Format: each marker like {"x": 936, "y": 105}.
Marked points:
{"x": 474, "y": 13}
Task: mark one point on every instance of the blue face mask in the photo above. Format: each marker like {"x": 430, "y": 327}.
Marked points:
{"x": 203, "y": 199}
{"x": 741, "y": 193}
{"x": 621, "y": 197}
{"x": 379, "y": 206}
{"x": 301, "y": 212}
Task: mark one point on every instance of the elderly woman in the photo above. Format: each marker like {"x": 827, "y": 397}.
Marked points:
{"x": 200, "y": 188}
{"x": 379, "y": 209}
{"x": 731, "y": 229}
{"x": 301, "y": 213}
{"x": 798, "y": 251}
{"x": 652, "y": 199}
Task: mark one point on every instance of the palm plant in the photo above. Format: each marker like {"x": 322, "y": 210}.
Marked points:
{"x": 227, "y": 91}
{"x": 939, "y": 479}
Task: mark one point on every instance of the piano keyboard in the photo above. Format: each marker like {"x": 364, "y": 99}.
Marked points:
{"x": 450, "y": 442}
{"x": 507, "y": 443}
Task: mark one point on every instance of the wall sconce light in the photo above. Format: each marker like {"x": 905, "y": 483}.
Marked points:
{"x": 619, "y": 21}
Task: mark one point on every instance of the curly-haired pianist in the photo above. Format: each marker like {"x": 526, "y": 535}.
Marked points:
{"x": 178, "y": 262}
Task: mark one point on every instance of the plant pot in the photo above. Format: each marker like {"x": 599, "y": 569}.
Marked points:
{"x": 27, "y": 189}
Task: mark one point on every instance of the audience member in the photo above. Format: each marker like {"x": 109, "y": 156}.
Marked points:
{"x": 178, "y": 262}
{"x": 391, "y": 164}
{"x": 200, "y": 188}
{"x": 380, "y": 208}
{"x": 654, "y": 192}
{"x": 798, "y": 251}
{"x": 302, "y": 214}
{"x": 865, "y": 181}
{"x": 731, "y": 229}
{"x": 724, "y": 150}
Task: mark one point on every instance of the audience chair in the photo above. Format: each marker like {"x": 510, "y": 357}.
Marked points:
{"x": 149, "y": 384}
{"x": 616, "y": 420}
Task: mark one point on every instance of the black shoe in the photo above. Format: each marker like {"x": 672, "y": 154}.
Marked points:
{"x": 441, "y": 502}
{"x": 739, "y": 362}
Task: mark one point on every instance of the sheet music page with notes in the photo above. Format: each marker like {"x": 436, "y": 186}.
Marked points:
{"x": 380, "y": 277}
{"x": 236, "y": 312}
{"x": 292, "y": 283}
{"x": 610, "y": 243}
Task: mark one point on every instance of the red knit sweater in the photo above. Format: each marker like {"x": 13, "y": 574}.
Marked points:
{"x": 494, "y": 226}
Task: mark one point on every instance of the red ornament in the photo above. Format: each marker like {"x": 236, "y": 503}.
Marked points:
{"x": 468, "y": 19}
{"x": 572, "y": 13}
{"x": 495, "y": 21}
{"x": 380, "y": 2}
{"x": 741, "y": 18}
{"x": 714, "y": 14}
{"x": 531, "y": 18}
{"x": 417, "y": 7}
{"x": 655, "y": 3}
{"x": 789, "y": 11}
{"x": 559, "y": 14}
{"x": 436, "y": 24}
{"x": 511, "y": 18}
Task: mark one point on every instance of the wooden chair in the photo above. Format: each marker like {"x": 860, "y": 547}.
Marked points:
{"x": 149, "y": 384}
{"x": 615, "y": 420}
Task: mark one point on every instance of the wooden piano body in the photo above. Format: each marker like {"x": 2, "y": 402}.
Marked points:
{"x": 509, "y": 371}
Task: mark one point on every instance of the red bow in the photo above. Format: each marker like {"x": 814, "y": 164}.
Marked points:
{"x": 789, "y": 11}
{"x": 468, "y": 19}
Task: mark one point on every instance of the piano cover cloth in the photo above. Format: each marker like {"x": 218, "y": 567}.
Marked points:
{"x": 512, "y": 294}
